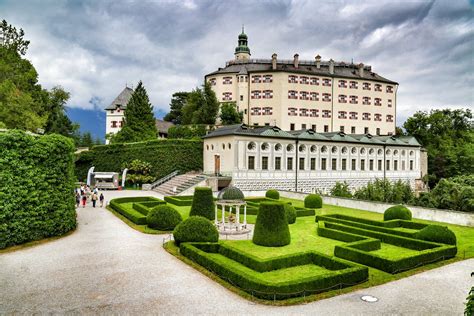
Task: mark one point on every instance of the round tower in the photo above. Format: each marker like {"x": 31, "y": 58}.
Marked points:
{"x": 242, "y": 51}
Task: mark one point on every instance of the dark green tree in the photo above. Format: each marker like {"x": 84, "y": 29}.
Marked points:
{"x": 201, "y": 107}
{"x": 13, "y": 39}
{"x": 86, "y": 140}
{"x": 229, "y": 114}
{"x": 448, "y": 136}
{"x": 139, "y": 119}
{"x": 58, "y": 122}
{"x": 178, "y": 101}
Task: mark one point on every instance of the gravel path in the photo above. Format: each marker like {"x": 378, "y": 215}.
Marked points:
{"x": 107, "y": 267}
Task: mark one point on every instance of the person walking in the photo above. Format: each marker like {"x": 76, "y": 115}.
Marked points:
{"x": 94, "y": 199}
{"x": 84, "y": 200}
{"x": 78, "y": 199}
{"x": 101, "y": 198}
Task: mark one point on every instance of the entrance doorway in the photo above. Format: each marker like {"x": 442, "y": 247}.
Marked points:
{"x": 217, "y": 164}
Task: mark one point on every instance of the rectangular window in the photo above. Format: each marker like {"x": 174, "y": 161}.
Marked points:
{"x": 334, "y": 164}
{"x": 277, "y": 163}
{"x": 292, "y": 79}
{"x": 353, "y": 115}
{"x": 344, "y": 164}
{"x": 379, "y": 165}
{"x": 371, "y": 164}
{"x": 314, "y": 81}
{"x": 121, "y": 123}
{"x": 353, "y": 129}
{"x": 264, "y": 163}
{"x": 403, "y": 165}
{"x": 255, "y": 94}
{"x": 268, "y": 94}
{"x": 377, "y": 87}
{"x": 292, "y": 127}
{"x": 389, "y": 89}
{"x": 267, "y": 110}
{"x": 387, "y": 165}
{"x": 341, "y": 128}
{"x": 114, "y": 124}
{"x": 292, "y": 94}
{"x": 342, "y": 115}
{"x": 353, "y": 99}
{"x": 377, "y": 131}
{"x": 313, "y": 96}
{"x": 342, "y": 98}
{"x": 342, "y": 84}
{"x": 313, "y": 127}
{"x": 313, "y": 112}
{"x": 395, "y": 165}
{"x": 255, "y": 111}
{"x": 366, "y": 100}
{"x": 212, "y": 81}
{"x": 313, "y": 163}
{"x": 353, "y": 84}
{"x": 362, "y": 164}
{"x": 303, "y": 126}
{"x": 241, "y": 98}
{"x": 389, "y": 103}
{"x": 256, "y": 79}
{"x": 411, "y": 164}
{"x": 326, "y": 97}
{"x": 251, "y": 163}
{"x": 289, "y": 163}
{"x": 227, "y": 80}
{"x": 323, "y": 163}
{"x": 366, "y": 130}
{"x": 227, "y": 96}
{"x": 378, "y": 101}
{"x": 366, "y": 86}
{"x": 268, "y": 78}
{"x": 353, "y": 165}
{"x": 327, "y": 82}
{"x": 326, "y": 114}
{"x": 292, "y": 111}
{"x": 326, "y": 128}
{"x": 301, "y": 165}
{"x": 389, "y": 118}
{"x": 304, "y": 80}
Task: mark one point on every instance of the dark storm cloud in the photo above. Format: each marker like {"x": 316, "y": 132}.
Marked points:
{"x": 93, "y": 48}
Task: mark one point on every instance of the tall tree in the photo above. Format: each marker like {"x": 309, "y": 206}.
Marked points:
{"x": 58, "y": 122}
{"x": 86, "y": 140}
{"x": 201, "y": 107}
{"x": 139, "y": 120}
{"x": 178, "y": 101}
{"x": 229, "y": 114}
{"x": 13, "y": 39}
{"x": 448, "y": 136}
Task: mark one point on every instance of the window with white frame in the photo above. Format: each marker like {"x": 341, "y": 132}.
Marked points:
{"x": 326, "y": 82}
{"x": 377, "y": 117}
{"x": 314, "y": 81}
{"x": 292, "y": 94}
{"x": 267, "y": 78}
{"x": 304, "y": 95}
{"x": 256, "y": 79}
{"x": 304, "y": 80}
{"x": 378, "y": 101}
{"x": 326, "y": 97}
{"x": 267, "y": 94}
{"x": 389, "y": 103}
{"x": 353, "y": 85}
{"x": 389, "y": 118}
{"x": 227, "y": 80}
{"x": 268, "y": 110}
{"x": 292, "y": 79}
{"x": 353, "y": 99}
{"x": 292, "y": 112}
{"x": 366, "y": 100}
{"x": 366, "y": 86}
{"x": 255, "y": 111}
{"x": 389, "y": 89}
{"x": 326, "y": 113}
{"x": 366, "y": 116}
{"x": 342, "y": 115}
{"x": 227, "y": 96}
{"x": 353, "y": 115}
{"x": 212, "y": 81}
{"x": 342, "y": 84}
{"x": 304, "y": 112}
{"x": 314, "y": 96}
{"x": 342, "y": 98}
{"x": 255, "y": 94}
{"x": 377, "y": 87}
{"x": 313, "y": 112}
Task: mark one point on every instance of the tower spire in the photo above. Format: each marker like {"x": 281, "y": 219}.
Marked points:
{"x": 242, "y": 51}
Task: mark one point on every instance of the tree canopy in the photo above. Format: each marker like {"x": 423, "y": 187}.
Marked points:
{"x": 448, "y": 136}
{"x": 201, "y": 106}
{"x": 178, "y": 101}
{"x": 139, "y": 119}
{"x": 229, "y": 114}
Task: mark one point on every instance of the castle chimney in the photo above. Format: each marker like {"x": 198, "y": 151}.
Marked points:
{"x": 331, "y": 66}
{"x": 295, "y": 60}
{"x": 274, "y": 61}
{"x": 318, "y": 61}
{"x": 361, "y": 70}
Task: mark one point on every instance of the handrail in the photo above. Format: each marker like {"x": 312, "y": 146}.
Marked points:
{"x": 153, "y": 185}
{"x": 185, "y": 187}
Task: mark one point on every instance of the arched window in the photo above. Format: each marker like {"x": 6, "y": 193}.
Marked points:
{"x": 371, "y": 151}
{"x": 313, "y": 148}
{"x": 265, "y": 146}
{"x": 334, "y": 149}
{"x": 388, "y": 152}
{"x": 251, "y": 146}
{"x": 228, "y": 145}
{"x": 207, "y": 147}
{"x": 290, "y": 148}
{"x": 278, "y": 147}
{"x": 223, "y": 146}
{"x": 379, "y": 152}
{"x": 302, "y": 148}
{"x": 362, "y": 151}
{"x": 344, "y": 150}
{"x": 403, "y": 153}
{"x": 324, "y": 149}
{"x": 353, "y": 150}
{"x": 412, "y": 153}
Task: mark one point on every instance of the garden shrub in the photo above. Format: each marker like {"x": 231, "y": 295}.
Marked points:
{"x": 164, "y": 155}
{"x": 182, "y": 200}
{"x": 436, "y": 233}
{"x": 271, "y": 228}
{"x": 301, "y": 211}
{"x": 195, "y": 228}
{"x": 341, "y": 189}
{"x": 163, "y": 217}
{"x": 290, "y": 213}
{"x": 36, "y": 187}
{"x": 313, "y": 201}
{"x": 135, "y": 216}
{"x": 203, "y": 203}
{"x": 272, "y": 194}
{"x": 145, "y": 207}
{"x": 397, "y": 212}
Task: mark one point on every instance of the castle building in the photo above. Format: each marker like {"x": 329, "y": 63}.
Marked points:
{"x": 259, "y": 158}
{"x": 115, "y": 115}
{"x": 325, "y": 96}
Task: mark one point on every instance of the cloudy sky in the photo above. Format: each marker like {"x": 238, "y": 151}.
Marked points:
{"x": 93, "y": 48}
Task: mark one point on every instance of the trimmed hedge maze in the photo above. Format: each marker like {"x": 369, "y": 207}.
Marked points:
{"x": 253, "y": 204}
{"x": 135, "y": 208}
{"x": 277, "y": 278}
{"x": 391, "y": 246}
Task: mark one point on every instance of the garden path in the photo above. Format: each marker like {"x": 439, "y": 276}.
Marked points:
{"x": 107, "y": 267}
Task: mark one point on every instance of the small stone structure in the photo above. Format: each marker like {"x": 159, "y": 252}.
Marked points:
{"x": 231, "y": 199}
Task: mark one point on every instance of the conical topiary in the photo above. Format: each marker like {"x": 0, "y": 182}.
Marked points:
{"x": 271, "y": 228}
{"x": 203, "y": 203}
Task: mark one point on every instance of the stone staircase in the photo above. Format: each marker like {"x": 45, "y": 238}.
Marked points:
{"x": 179, "y": 183}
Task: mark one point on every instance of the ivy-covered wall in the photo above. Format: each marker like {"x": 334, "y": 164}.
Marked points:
{"x": 36, "y": 187}
{"x": 165, "y": 156}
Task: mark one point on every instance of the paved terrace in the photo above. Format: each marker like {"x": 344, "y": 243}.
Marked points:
{"x": 107, "y": 267}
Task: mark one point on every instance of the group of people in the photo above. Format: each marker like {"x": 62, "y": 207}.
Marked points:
{"x": 85, "y": 193}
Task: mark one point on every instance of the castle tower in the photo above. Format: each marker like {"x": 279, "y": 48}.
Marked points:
{"x": 242, "y": 51}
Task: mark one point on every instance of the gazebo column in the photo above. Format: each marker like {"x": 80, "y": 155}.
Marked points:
{"x": 223, "y": 215}
{"x": 245, "y": 215}
{"x": 238, "y": 217}
{"x": 230, "y": 215}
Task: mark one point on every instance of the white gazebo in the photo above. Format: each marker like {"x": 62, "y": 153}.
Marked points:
{"x": 231, "y": 200}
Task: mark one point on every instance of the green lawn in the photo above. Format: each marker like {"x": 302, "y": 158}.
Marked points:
{"x": 304, "y": 237}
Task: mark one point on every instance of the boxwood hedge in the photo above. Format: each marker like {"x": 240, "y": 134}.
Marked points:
{"x": 197, "y": 229}
{"x": 163, "y": 217}
{"x": 180, "y": 200}
{"x": 272, "y": 194}
{"x": 136, "y": 216}
{"x": 341, "y": 273}
{"x": 397, "y": 212}
{"x": 313, "y": 201}
{"x": 36, "y": 187}
{"x": 271, "y": 228}
{"x": 436, "y": 233}
{"x": 203, "y": 203}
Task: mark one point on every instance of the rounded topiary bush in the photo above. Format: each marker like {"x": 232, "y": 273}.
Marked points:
{"x": 163, "y": 217}
{"x": 195, "y": 228}
{"x": 436, "y": 233}
{"x": 290, "y": 213}
{"x": 271, "y": 227}
{"x": 203, "y": 203}
{"x": 272, "y": 194}
{"x": 397, "y": 212}
{"x": 313, "y": 201}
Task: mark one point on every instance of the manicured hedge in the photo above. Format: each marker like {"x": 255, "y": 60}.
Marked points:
{"x": 272, "y": 194}
{"x": 196, "y": 229}
{"x": 145, "y": 207}
{"x": 36, "y": 187}
{"x": 436, "y": 233}
{"x": 163, "y": 217}
{"x": 164, "y": 155}
{"x": 397, "y": 212}
{"x": 302, "y": 211}
{"x": 203, "y": 203}
{"x": 271, "y": 228}
{"x": 343, "y": 274}
{"x": 290, "y": 213}
{"x": 313, "y": 201}
{"x": 180, "y": 200}
{"x": 133, "y": 215}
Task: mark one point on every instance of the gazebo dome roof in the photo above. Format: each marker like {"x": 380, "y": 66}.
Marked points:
{"x": 230, "y": 193}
